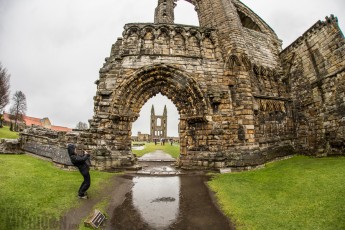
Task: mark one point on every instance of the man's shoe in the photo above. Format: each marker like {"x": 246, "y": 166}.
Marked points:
{"x": 83, "y": 197}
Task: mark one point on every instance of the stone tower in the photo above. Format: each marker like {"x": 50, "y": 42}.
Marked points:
{"x": 164, "y": 12}
{"x": 158, "y": 126}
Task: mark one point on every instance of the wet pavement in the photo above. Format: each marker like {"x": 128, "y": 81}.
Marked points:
{"x": 157, "y": 163}
{"x": 167, "y": 199}
{"x": 158, "y": 168}
{"x": 157, "y": 155}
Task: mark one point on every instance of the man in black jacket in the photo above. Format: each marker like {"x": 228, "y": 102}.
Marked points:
{"x": 81, "y": 161}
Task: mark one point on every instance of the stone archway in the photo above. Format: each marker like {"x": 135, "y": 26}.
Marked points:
{"x": 129, "y": 97}
{"x": 172, "y": 82}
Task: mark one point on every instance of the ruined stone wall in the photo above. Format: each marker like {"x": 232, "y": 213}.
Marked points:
{"x": 213, "y": 95}
{"x": 134, "y": 73}
{"x": 242, "y": 102}
{"x": 53, "y": 145}
{"x": 315, "y": 70}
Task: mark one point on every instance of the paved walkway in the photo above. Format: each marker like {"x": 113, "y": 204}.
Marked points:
{"x": 157, "y": 155}
{"x": 157, "y": 163}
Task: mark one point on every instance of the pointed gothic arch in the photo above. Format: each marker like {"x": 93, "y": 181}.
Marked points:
{"x": 171, "y": 82}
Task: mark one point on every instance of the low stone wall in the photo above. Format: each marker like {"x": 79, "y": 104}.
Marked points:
{"x": 53, "y": 145}
{"x": 242, "y": 158}
{"x": 48, "y": 143}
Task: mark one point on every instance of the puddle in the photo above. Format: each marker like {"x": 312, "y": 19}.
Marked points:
{"x": 162, "y": 197}
{"x": 168, "y": 202}
{"x": 157, "y": 200}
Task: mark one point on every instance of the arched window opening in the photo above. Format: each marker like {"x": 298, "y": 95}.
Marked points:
{"x": 247, "y": 22}
{"x": 185, "y": 14}
{"x": 155, "y": 106}
{"x": 159, "y": 122}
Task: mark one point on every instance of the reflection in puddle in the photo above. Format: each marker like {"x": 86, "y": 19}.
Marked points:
{"x": 165, "y": 202}
{"x": 157, "y": 199}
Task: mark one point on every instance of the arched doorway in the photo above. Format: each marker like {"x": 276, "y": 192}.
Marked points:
{"x": 126, "y": 100}
{"x": 171, "y": 82}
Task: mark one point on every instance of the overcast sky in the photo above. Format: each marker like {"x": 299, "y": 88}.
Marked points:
{"x": 53, "y": 49}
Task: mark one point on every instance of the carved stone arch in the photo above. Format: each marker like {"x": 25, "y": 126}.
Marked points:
{"x": 133, "y": 30}
{"x": 147, "y": 39}
{"x": 248, "y": 22}
{"x": 270, "y": 73}
{"x": 208, "y": 33}
{"x": 208, "y": 45}
{"x": 271, "y": 80}
{"x": 164, "y": 30}
{"x": 177, "y": 85}
{"x": 282, "y": 88}
{"x": 246, "y": 62}
{"x": 194, "y": 44}
{"x": 179, "y": 41}
{"x": 162, "y": 42}
{"x": 233, "y": 62}
{"x": 264, "y": 72}
{"x": 148, "y": 30}
{"x": 276, "y": 75}
{"x": 255, "y": 76}
{"x": 180, "y": 30}
{"x": 251, "y": 20}
{"x": 257, "y": 70}
{"x": 196, "y": 33}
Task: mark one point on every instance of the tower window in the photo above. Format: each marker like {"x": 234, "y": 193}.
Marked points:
{"x": 247, "y": 22}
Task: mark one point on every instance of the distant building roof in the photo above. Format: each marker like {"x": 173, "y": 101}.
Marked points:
{"x": 44, "y": 122}
{"x": 60, "y": 128}
{"x": 32, "y": 121}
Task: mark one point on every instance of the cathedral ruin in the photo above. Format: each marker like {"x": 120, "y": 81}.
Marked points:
{"x": 158, "y": 125}
{"x": 242, "y": 100}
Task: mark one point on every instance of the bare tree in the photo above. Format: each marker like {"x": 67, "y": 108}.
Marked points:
{"x": 81, "y": 125}
{"x": 18, "y": 108}
{"x": 4, "y": 88}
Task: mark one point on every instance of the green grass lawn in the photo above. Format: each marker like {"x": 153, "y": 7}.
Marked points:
{"x": 173, "y": 150}
{"x": 33, "y": 191}
{"x": 298, "y": 193}
{"x": 6, "y": 133}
